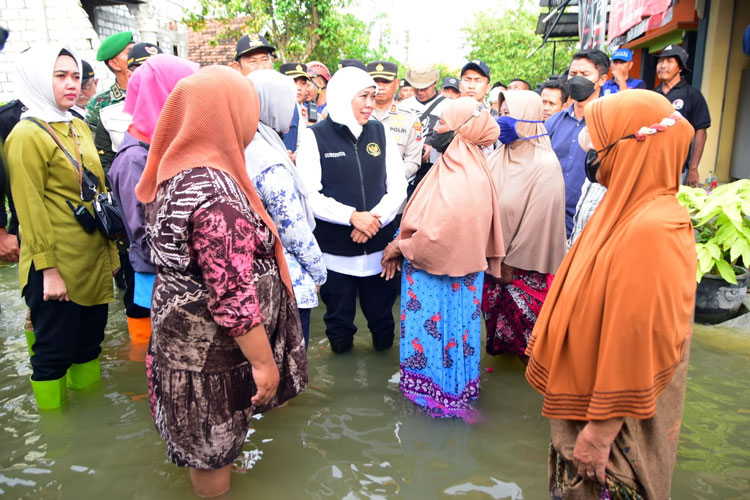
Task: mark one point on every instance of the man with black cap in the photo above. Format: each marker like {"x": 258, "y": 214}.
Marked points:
{"x": 253, "y": 52}
{"x": 114, "y": 53}
{"x": 688, "y": 101}
{"x": 88, "y": 90}
{"x": 449, "y": 88}
{"x": 298, "y": 72}
{"x": 475, "y": 80}
{"x": 405, "y": 90}
{"x": 403, "y": 124}
{"x": 355, "y": 63}
{"x": 428, "y": 105}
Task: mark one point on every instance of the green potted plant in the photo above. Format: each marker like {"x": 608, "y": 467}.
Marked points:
{"x": 721, "y": 219}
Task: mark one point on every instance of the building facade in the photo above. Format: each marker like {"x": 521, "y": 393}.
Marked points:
{"x": 84, "y": 24}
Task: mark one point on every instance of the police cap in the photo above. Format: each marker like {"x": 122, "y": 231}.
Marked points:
{"x": 383, "y": 69}
{"x": 344, "y": 63}
{"x": 140, "y": 52}
{"x": 113, "y": 45}
{"x": 677, "y": 52}
{"x": 88, "y": 71}
{"x": 253, "y": 42}
{"x": 294, "y": 69}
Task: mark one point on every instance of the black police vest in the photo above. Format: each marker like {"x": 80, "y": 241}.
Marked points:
{"x": 353, "y": 173}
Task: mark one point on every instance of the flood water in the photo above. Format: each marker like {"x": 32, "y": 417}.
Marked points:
{"x": 350, "y": 435}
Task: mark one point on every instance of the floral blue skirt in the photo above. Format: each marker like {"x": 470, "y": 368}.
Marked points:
{"x": 440, "y": 341}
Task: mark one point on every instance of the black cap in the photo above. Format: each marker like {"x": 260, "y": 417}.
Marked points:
{"x": 352, "y": 62}
{"x": 140, "y": 52}
{"x": 294, "y": 69}
{"x": 250, "y": 43}
{"x": 383, "y": 69}
{"x": 677, "y": 52}
{"x": 88, "y": 71}
{"x": 476, "y": 65}
{"x": 405, "y": 83}
{"x": 450, "y": 82}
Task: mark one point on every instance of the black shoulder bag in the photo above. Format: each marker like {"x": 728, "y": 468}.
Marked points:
{"x": 108, "y": 215}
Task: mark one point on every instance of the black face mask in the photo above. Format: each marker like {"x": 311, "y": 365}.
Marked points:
{"x": 441, "y": 141}
{"x": 580, "y": 88}
{"x": 593, "y": 161}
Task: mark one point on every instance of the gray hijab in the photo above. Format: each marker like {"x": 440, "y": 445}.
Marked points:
{"x": 277, "y": 97}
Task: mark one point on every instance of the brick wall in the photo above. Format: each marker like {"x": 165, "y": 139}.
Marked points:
{"x": 200, "y": 49}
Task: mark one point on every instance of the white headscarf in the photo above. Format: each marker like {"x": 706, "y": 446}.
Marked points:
{"x": 277, "y": 98}
{"x": 344, "y": 85}
{"x": 35, "y": 69}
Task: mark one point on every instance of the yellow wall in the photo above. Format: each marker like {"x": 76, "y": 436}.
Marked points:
{"x": 724, "y": 62}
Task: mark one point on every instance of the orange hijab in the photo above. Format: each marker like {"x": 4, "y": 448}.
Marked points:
{"x": 207, "y": 121}
{"x": 451, "y": 225}
{"x": 613, "y": 326}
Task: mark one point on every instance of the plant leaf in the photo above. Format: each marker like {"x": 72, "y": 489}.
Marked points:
{"x": 726, "y": 271}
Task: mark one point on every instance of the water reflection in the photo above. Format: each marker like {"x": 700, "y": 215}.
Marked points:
{"x": 350, "y": 435}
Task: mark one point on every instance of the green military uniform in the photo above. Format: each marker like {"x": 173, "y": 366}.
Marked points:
{"x": 110, "y": 48}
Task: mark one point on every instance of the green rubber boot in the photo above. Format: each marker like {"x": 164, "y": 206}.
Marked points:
{"x": 49, "y": 394}
{"x": 84, "y": 375}
{"x": 30, "y": 339}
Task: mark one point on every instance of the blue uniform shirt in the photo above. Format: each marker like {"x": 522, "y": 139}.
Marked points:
{"x": 290, "y": 138}
{"x": 563, "y": 128}
{"x": 611, "y": 87}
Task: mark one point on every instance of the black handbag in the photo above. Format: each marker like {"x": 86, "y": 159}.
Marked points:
{"x": 106, "y": 211}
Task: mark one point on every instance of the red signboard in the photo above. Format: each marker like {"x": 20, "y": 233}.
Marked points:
{"x": 624, "y": 14}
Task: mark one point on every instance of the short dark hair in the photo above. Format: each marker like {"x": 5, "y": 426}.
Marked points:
{"x": 557, "y": 84}
{"x": 498, "y": 84}
{"x": 598, "y": 58}
{"x": 522, "y": 81}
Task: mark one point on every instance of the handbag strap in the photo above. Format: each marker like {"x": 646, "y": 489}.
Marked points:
{"x": 45, "y": 126}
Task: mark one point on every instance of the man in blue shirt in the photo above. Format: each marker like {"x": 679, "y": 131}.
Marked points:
{"x": 622, "y": 62}
{"x": 587, "y": 74}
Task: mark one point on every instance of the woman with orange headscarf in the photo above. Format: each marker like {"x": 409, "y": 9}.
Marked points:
{"x": 450, "y": 234}
{"x": 531, "y": 195}
{"x": 610, "y": 348}
{"x": 227, "y": 341}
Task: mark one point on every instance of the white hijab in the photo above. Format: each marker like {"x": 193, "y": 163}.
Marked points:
{"x": 344, "y": 85}
{"x": 35, "y": 69}
{"x": 277, "y": 98}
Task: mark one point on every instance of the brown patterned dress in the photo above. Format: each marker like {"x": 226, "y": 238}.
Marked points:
{"x": 217, "y": 279}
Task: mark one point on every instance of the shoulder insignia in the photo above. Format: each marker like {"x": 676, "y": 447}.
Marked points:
{"x": 393, "y": 108}
{"x": 418, "y": 130}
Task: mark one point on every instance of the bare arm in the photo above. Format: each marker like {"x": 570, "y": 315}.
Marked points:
{"x": 699, "y": 142}
{"x": 254, "y": 345}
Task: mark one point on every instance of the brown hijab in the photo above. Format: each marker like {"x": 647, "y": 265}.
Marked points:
{"x": 530, "y": 190}
{"x": 614, "y": 324}
{"x": 207, "y": 121}
{"x": 451, "y": 225}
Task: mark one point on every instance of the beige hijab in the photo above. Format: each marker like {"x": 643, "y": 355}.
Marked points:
{"x": 451, "y": 225}
{"x": 530, "y": 190}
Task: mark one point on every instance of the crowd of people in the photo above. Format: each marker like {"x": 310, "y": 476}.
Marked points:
{"x": 247, "y": 194}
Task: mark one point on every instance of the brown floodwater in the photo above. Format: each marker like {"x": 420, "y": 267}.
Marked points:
{"x": 351, "y": 435}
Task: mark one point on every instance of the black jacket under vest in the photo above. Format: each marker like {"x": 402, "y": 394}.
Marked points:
{"x": 353, "y": 172}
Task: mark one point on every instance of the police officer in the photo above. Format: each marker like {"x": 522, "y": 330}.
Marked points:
{"x": 88, "y": 90}
{"x": 114, "y": 53}
{"x": 298, "y": 72}
{"x": 253, "y": 52}
{"x": 403, "y": 124}
{"x": 428, "y": 105}
{"x": 449, "y": 88}
{"x": 113, "y": 121}
{"x": 688, "y": 101}
{"x": 354, "y": 63}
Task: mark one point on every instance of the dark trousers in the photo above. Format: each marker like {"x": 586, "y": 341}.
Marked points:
{"x": 304, "y": 316}
{"x": 376, "y": 298}
{"x": 65, "y": 332}
{"x": 132, "y": 310}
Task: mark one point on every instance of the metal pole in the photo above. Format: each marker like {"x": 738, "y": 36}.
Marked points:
{"x": 554, "y": 49}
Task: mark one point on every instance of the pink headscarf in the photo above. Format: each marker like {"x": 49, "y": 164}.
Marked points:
{"x": 149, "y": 87}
